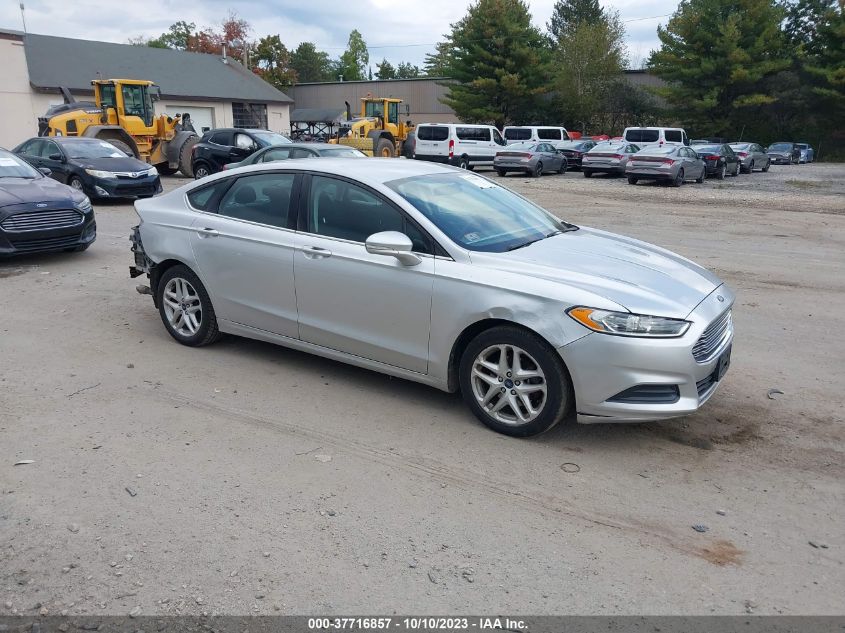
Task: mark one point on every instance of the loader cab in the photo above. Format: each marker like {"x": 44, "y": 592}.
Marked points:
{"x": 378, "y": 108}
{"x": 126, "y": 103}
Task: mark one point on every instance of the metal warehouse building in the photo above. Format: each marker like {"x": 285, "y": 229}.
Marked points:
{"x": 216, "y": 91}
{"x": 421, "y": 96}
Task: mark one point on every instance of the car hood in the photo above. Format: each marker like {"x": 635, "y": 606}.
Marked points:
{"x": 111, "y": 164}
{"x": 643, "y": 278}
{"x": 23, "y": 190}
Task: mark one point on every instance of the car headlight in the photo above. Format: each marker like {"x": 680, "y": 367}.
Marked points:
{"x": 152, "y": 171}
{"x": 99, "y": 173}
{"x": 627, "y": 324}
{"x": 84, "y": 205}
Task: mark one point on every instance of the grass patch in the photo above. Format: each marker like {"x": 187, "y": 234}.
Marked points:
{"x": 807, "y": 184}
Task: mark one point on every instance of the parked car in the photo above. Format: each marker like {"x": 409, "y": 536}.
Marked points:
{"x": 39, "y": 214}
{"x": 222, "y": 146}
{"x": 719, "y": 160}
{"x": 95, "y": 167}
{"x": 529, "y": 157}
{"x": 644, "y": 136}
{"x": 752, "y": 156}
{"x": 674, "y": 164}
{"x": 808, "y": 155}
{"x": 463, "y": 145}
{"x": 435, "y": 275}
{"x": 536, "y": 133}
{"x": 298, "y": 150}
{"x": 699, "y": 141}
{"x": 783, "y": 153}
{"x": 574, "y": 152}
{"x": 609, "y": 158}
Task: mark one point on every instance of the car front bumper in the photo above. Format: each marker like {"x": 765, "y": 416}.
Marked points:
{"x": 779, "y": 159}
{"x": 144, "y": 187}
{"x": 61, "y": 236}
{"x": 609, "y": 372}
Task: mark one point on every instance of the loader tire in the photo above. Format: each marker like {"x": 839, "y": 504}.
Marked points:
{"x": 185, "y": 154}
{"x": 385, "y": 149}
{"x": 123, "y": 147}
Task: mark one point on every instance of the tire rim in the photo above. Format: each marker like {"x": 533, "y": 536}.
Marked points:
{"x": 539, "y": 169}
{"x": 509, "y": 384}
{"x": 202, "y": 172}
{"x": 464, "y": 164}
{"x": 76, "y": 184}
{"x": 724, "y": 172}
{"x": 182, "y": 307}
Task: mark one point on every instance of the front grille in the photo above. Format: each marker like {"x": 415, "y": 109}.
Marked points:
{"x": 704, "y": 385}
{"x": 45, "y": 243}
{"x": 711, "y": 341}
{"x": 648, "y": 394}
{"x": 41, "y": 220}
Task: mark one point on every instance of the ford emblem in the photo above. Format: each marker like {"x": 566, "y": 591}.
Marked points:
{"x": 41, "y": 205}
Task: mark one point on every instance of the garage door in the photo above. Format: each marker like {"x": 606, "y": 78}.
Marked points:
{"x": 202, "y": 118}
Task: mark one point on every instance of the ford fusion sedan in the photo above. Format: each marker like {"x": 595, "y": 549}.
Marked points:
{"x": 673, "y": 164}
{"x": 38, "y": 214}
{"x": 93, "y": 166}
{"x": 441, "y": 276}
{"x": 291, "y": 151}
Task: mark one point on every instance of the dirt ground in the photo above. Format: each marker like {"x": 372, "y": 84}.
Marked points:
{"x": 246, "y": 478}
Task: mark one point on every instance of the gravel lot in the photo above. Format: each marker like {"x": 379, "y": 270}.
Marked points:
{"x": 245, "y": 478}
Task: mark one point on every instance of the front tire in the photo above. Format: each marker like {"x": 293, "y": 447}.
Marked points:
{"x": 766, "y": 168}
{"x": 501, "y": 172}
{"x": 185, "y": 307}
{"x": 514, "y": 382}
{"x": 76, "y": 183}
{"x": 679, "y": 179}
{"x": 632, "y": 180}
{"x": 385, "y": 148}
{"x": 700, "y": 179}
{"x": 587, "y": 173}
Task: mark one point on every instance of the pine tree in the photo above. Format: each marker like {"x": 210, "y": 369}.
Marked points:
{"x": 568, "y": 14}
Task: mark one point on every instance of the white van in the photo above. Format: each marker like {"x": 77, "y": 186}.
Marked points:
{"x": 460, "y": 144}
{"x": 645, "y": 136}
{"x": 536, "y": 133}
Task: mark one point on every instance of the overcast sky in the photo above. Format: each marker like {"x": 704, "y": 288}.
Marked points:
{"x": 393, "y": 29}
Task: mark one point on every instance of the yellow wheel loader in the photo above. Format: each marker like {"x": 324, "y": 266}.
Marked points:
{"x": 378, "y": 131}
{"x": 122, "y": 114}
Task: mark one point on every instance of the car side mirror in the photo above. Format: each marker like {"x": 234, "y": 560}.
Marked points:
{"x": 393, "y": 244}
{"x": 45, "y": 171}
{"x": 57, "y": 157}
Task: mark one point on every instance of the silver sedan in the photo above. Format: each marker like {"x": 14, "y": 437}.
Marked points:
{"x": 534, "y": 159}
{"x": 436, "y": 275}
{"x": 674, "y": 164}
{"x": 751, "y": 156}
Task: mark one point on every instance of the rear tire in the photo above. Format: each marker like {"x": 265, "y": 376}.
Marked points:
{"x": 766, "y": 168}
{"x": 545, "y": 382}
{"x": 679, "y": 179}
{"x": 123, "y": 147}
{"x": 385, "y": 149}
{"x": 538, "y": 170}
{"x": 463, "y": 163}
{"x": 501, "y": 172}
{"x": 201, "y": 171}
{"x": 632, "y": 180}
{"x": 186, "y": 154}
{"x": 178, "y": 292}
{"x": 166, "y": 170}
{"x": 587, "y": 173}
{"x": 700, "y": 179}
{"x": 563, "y": 166}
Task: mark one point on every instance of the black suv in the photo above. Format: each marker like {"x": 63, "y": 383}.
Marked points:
{"x": 229, "y": 145}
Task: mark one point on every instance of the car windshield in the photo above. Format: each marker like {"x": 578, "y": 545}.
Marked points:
{"x": 781, "y": 147}
{"x": 522, "y": 145}
{"x": 13, "y": 167}
{"x": 92, "y": 149}
{"x": 607, "y": 147}
{"x": 271, "y": 138}
{"x": 476, "y": 213}
{"x": 343, "y": 152}
{"x": 666, "y": 149}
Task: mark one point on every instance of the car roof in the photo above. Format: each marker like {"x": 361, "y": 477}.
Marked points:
{"x": 309, "y": 146}
{"x": 374, "y": 171}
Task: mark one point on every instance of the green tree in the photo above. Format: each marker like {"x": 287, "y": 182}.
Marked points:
{"x": 567, "y": 14}
{"x": 715, "y": 56}
{"x": 385, "y": 70}
{"x": 406, "y": 70}
{"x": 273, "y": 62}
{"x": 804, "y": 19}
{"x": 497, "y": 62}
{"x": 589, "y": 59}
{"x": 311, "y": 64}
{"x": 353, "y": 62}
{"x": 437, "y": 63}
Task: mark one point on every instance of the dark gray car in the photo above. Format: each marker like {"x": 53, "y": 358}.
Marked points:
{"x": 529, "y": 157}
{"x": 298, "y": 150}
{"x": 751, "y": 156}
{"x": 670, "y": 163}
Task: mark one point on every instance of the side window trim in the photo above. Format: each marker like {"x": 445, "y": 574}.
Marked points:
{"x": 303, "y": 210}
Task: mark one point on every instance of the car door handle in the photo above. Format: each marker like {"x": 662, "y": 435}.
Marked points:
{"x": 316, "y": 252}
{"x": 207, "y": 232}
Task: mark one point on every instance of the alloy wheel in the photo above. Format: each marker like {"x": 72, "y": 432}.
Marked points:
{"x": 201, "y": 172}
{"x": 509, "y": 384}
{"x": 182, "y": 307}
{"x": 76, "y": 183}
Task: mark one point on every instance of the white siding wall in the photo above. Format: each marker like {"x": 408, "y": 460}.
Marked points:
{"x": 18, "y": 120}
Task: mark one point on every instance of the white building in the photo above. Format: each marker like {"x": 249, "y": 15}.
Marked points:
{"x": 216, "y": 92}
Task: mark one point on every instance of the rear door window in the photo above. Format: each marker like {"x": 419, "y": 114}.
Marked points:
{"x": 548, "y": 133}
{"x": 673, "y": 136}
{"x": 518, "y": 134}
{"x": 260, "y": 198}
{"x": 642, "y": 136}
{"x": 473, "y": 133}
{"x": 203, "y": 197}
{"x": 432, "y": 133}
{"x": 221, "y": 138}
